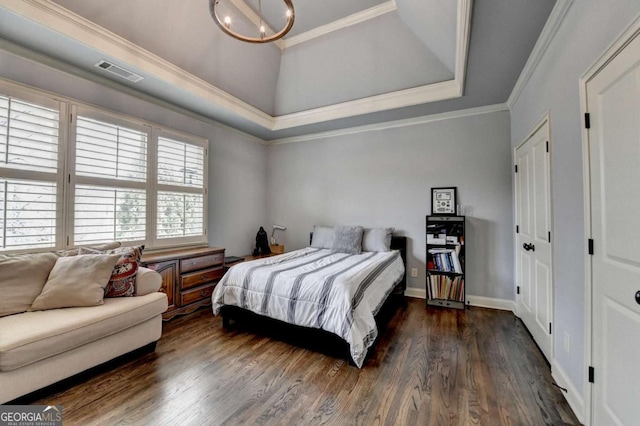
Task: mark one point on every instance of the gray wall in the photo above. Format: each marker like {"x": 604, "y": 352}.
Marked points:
{"x": 237, "y": 170}
{"x": 384, "y": 178}
{"x": 588, "y": 29}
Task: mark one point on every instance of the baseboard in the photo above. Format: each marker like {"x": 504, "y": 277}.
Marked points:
{"x": 492, "y": 303}
{"x": 478, "y": 301}
{"x": 418, "y": 293}
{"x": 576, "y": 402}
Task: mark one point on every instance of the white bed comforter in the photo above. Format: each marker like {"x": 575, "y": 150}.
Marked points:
{"x": 311, "y": 287}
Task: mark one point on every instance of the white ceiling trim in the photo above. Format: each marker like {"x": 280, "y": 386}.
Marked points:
{"x": 57, "y": 18}
{"x": 550, "y": 28}
{"x": 255, "y": 19}
{"x": 339, "y": 24}
{"x": 401, "y": 98}
{"x": 418, "y": 95}
{"x": 53, "y": 16}
{"x": 393, "y": 124}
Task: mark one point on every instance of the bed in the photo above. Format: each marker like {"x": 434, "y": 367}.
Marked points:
{"x": 316, "y": 288}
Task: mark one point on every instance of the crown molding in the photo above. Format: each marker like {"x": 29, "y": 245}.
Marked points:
{"x": 463, "y": 34}
{"x": 57, "y": 18}
{"x": 63, "y": 67}
{"x": 415, "y": 121}
{"x": 558, "y": 13}
{"x": 339, "y": 24}
{"x": 401, "y": 98}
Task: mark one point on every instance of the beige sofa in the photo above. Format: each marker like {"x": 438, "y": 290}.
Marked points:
{"x": 43, "y": 347}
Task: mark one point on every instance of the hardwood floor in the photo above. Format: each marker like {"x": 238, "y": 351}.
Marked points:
{"x": 431, "y": 366}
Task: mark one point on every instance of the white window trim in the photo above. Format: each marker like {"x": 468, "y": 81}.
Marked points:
{"x": 66, "y": 179}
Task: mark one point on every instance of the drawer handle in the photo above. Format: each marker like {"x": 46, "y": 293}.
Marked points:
{"x": 204, "y": 293}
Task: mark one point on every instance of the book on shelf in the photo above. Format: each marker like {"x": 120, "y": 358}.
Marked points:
{"x": 445, "y": 287}
{"x": 446, "y": 260}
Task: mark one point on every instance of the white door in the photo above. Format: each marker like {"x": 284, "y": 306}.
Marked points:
{"x": 533, "y": 237}
{"x": 613, "y": 101}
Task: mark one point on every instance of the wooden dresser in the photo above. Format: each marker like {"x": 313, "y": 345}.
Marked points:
{"x": 188, "y": 276}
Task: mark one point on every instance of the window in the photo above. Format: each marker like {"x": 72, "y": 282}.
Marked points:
{"x": 29, "y": 180}
{"x": 75, "y": 175}
{"x": 110, "y": 179}
{"x": 181, "y": 190}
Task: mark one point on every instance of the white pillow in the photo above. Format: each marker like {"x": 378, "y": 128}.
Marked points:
{"x": 76, "y": 281}
{"x": 377, "y": 239}
{"x": 322, "y": 237}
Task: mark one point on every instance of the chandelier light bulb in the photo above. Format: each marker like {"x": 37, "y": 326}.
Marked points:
{"x": 227, "y": 21}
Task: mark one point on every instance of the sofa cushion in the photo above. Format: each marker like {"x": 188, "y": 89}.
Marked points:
{"x": 103, "y": 246}
{"x": 76, "y": 281}
{"x": 23, "y": 277}
{"x": 33, "y": 336}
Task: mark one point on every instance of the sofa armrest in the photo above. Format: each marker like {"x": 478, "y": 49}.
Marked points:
{"x": 147, "y": 281}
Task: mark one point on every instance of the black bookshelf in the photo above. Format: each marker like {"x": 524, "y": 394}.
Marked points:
{"x": 445, "y": 283}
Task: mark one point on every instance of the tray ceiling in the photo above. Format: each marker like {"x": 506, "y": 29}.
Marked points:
{"x": 344, "y": 63}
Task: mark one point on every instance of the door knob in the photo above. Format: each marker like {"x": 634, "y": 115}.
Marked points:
{"x": 638, "y": 297}
{"x": 528, "y": 247}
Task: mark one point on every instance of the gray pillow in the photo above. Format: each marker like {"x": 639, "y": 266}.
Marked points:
{"x": 322, "y": 237}
{"x": 347, "y": 239}
{"x": 377, "y": 239}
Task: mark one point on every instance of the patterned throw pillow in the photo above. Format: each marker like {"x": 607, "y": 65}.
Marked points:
{"x": 123, "y": 277}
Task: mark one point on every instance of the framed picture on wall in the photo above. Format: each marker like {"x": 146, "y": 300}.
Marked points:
{"x": 443, "y": 201}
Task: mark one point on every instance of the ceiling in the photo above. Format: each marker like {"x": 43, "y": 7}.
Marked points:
{"x": 344, "y": 63}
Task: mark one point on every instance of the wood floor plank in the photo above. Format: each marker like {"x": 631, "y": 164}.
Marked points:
{"x": 430, "y": 366}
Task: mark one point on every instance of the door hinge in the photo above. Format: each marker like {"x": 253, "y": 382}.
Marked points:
{"x": 516, "y": 168}
{"x": 587, "y": 120}
{"x": 547, "y": 146}
{"x": 69, "y": 178}
{"x": 549, "y": 328}
{"x": 591, "y": 246}
{"x": 591, "y": 374}
{"x": 67, "y": 240}
{"x": 70, "y": 118}
{"x": 549, "y": 235}
{"x": 518, "y": 290}
{"x": 517, "y": 229}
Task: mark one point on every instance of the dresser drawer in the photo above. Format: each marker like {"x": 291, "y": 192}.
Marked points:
{"x": 197, "y": 294}
{"x": 201, "y": 262}
{"x": 195, "y": 279}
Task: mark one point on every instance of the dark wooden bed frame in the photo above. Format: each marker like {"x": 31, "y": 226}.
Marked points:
{"x": 314, "y": 338}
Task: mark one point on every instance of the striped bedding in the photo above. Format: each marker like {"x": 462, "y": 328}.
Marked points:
{"x": 312, "y": 287}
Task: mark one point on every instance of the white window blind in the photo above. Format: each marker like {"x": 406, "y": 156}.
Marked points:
{"x": 28, "y": 136}
{"x": 110, "y": 151}
{"x": 181, "y": 189}
{"x": 111, "y": 172}
{"x": 27, "y": 214}
{"x": 28, "y": 173}
{"x": 180, "y": 163}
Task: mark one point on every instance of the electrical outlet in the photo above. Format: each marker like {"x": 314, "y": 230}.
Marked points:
{"x": 414, "y": 272}
{"x": 567, "y": 343}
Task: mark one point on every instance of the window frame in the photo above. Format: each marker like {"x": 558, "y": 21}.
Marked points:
{"x": 66, "y": 178}
{"x": 157, "y": 187}
{"x": 8, "y": 173}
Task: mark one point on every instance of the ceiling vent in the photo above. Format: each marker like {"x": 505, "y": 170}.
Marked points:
{"x": 119, "y": 71}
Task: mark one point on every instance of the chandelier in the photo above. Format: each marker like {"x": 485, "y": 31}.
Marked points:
{"x": 262, "y": 37}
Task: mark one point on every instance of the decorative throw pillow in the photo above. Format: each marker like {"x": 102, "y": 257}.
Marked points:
{"x": 123, "y": 277}
{"x": 322, "y": 237}
{"x": 377, "y": 239}
{"x": 347, "y": 239}
{"x": 76, "y": 281}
